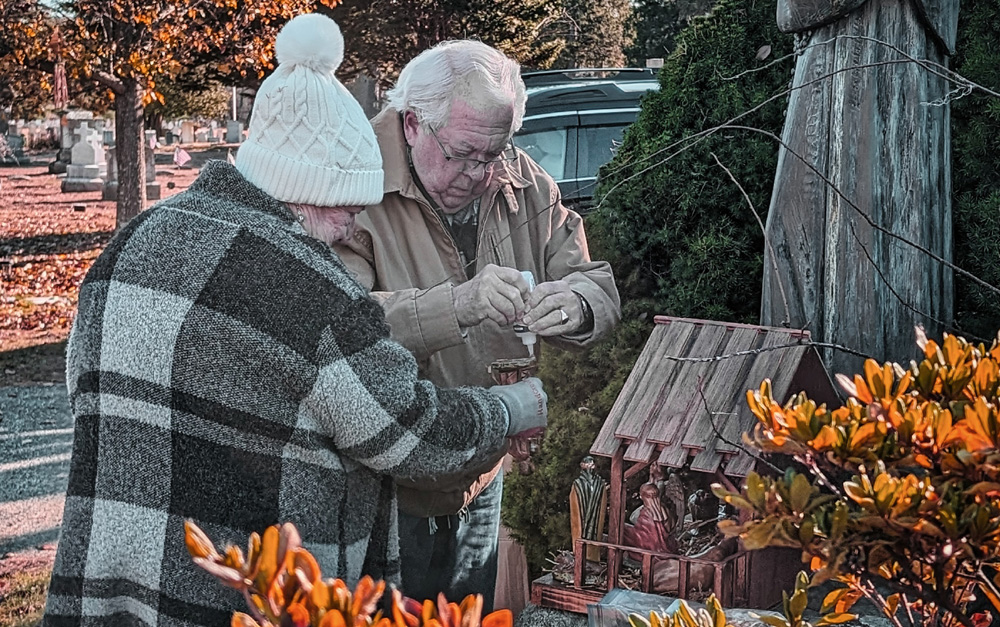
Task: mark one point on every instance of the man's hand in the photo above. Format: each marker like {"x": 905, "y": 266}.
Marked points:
{"x": 496, "y": 293}
{"x": 553, "y": 309}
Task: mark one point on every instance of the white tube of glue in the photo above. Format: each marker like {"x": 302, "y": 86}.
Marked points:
{"x": 521, "y": 330}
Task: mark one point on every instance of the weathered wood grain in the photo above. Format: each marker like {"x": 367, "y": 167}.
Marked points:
{"x": 870, "y": 123}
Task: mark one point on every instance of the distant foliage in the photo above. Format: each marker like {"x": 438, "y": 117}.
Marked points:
{"x": 975, "y": 123}
{"x": 596, "y": 33}
{"x": 656, "y": 24}
{"x": 380, "y": 41}
{"x": 900, "y": 489}
{"x": 680, "y": 238}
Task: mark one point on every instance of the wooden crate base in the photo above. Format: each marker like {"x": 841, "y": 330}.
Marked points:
{"x": 547, "y": 592}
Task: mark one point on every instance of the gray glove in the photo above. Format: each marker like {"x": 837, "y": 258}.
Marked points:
{"x": 527, "y": 404}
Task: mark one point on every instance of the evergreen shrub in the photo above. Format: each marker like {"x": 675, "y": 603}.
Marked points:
{"x": 975, "y": 126}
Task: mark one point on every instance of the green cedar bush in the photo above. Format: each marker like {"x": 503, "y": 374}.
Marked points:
{"x": 680, "y": 238}
{"x": 975, "y": 124}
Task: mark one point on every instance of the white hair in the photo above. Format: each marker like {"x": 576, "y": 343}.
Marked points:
{"x": 464, "y": 69}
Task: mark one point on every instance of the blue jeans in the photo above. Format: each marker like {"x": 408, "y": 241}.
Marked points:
{"x": 455, "y": 554}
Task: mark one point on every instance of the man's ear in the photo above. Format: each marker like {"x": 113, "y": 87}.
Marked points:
{"x": 411, "y": 127}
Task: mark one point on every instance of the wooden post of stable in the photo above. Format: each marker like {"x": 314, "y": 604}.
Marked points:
{"x": 579, "y": 563}
{"x": 616, "y": 514}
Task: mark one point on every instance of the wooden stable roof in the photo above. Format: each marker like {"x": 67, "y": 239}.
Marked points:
{"x": 660, "y": 415}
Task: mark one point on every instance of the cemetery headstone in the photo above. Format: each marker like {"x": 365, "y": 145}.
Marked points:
{"x": 15, "y": 153}
{"x": 110, "y": 189}
{"x": 187, "y": 132}
{"x": 87, "y": 162}
{"x": 152, "y": 187}
{"x": 234, "y": 132}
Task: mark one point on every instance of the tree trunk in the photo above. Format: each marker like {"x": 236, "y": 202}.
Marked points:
{"x": 129, "y": 142}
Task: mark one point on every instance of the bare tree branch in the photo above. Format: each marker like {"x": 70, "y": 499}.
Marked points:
{"x": 767, "y": 242}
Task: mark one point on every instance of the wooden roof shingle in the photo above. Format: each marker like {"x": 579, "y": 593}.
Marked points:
{"x": 680, "y": 405}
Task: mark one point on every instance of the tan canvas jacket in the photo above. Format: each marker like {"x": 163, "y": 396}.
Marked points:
{"x": 403, "y": 252}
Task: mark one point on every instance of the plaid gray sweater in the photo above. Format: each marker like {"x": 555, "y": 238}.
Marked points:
{"x": 224, "y": 367}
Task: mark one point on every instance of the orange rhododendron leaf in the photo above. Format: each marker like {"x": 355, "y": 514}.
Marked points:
{"x": 366, "y": 596}
{"x": 332, "y": 618}
{"x": 298, "y": 614}
{"x": 864, "y": 393}
{"x": 472, "y": 610}
{"x": 862, "y": 434}
{"x": 455, "y": 615}
{"x": 400, "y": 614}
{"x": 234, "y": 557}
{"x": 320, "y": 595}
{"x": 825, "y": 439}
{"x": 302, "y": 560}
{"x": 198, "y": 544}
{"x": 288, "y": 541}
{"x": 228, "y": 576}
{"x": 267, "y": 566}
{"x": 499, "y": 618}
{"x": 242, "y": 620}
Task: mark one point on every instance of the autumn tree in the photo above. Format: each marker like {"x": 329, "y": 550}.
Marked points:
{"x": 128, "y": 47}
{"x": 379, "y": 42}
{"x": 596, "y": 33}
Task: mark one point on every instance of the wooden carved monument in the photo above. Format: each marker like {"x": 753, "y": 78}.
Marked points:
{"x": 875, "y": 125}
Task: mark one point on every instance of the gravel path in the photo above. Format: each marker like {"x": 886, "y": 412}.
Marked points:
{"x": 36, "y": 438}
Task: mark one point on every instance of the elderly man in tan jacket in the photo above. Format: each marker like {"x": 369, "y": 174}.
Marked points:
{"x": 463, "y": 213}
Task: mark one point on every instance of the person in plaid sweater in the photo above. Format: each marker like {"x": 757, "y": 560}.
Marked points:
{"x": 224, "y": 367}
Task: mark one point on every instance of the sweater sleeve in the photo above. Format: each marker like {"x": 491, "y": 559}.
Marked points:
{"x": 368, "y": 399}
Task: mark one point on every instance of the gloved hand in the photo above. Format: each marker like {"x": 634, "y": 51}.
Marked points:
{"x": 497, "y": 293}
{"x": 527, "y": 404}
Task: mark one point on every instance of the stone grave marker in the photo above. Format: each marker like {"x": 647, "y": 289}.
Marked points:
{"x": 234, "y": 132}
{"x": 152, "y": 187}
{"x": 88, "y": 164}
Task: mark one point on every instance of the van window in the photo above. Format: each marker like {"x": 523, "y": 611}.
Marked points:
{"x": 596, "y": 146}
{"x": 547, "y": 148}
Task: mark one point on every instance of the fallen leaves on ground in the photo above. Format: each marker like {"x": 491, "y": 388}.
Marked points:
{"x": 48, "y": 241}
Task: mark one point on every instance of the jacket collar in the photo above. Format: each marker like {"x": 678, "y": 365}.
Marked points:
{"x": 398, "y": 178}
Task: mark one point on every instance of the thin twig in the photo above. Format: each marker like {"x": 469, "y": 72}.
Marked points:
{"x": 879, "y": 601}
{"x": 764, "y": 349}
{"x": 718, "y": 434}
{"x": 900, "y": 298}
{"x": 866, "y": 217}
{"x": 767, "y": 241}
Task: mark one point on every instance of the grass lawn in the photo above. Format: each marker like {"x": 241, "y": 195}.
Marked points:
{"x": 22, "y": 598}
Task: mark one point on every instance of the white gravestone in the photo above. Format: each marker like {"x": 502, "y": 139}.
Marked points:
{"x": 87, "y": 165}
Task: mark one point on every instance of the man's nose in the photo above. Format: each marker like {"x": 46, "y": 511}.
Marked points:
{"x": 478, "y": 171}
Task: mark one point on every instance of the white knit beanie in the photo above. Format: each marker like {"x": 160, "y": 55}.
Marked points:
{"x": 309, "y": 140}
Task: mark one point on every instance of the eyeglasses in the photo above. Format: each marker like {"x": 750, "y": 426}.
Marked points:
{"x": 507, "y": 155}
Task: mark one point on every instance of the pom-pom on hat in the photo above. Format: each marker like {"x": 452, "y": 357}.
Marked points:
{"x": 309, "y": 140}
